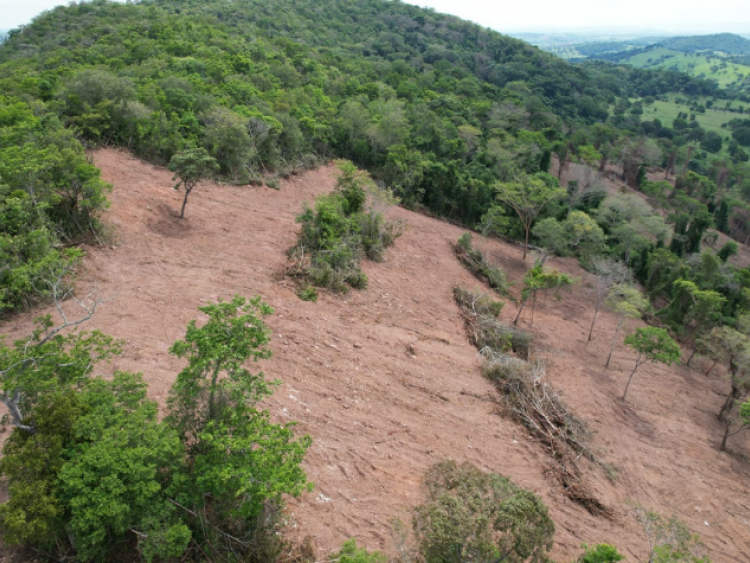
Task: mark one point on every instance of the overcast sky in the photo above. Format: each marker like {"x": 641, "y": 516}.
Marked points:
{"x": 673, "y": 16}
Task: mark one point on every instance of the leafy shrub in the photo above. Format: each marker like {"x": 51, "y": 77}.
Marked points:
{"x": 469, "y": 515}
{"x": 480, "y": 313}
{"x": 350, "y": 553}
{"x": 339, "y": 231}
{"x": 475, "y": 262}
{"x": 308, "y": 293}
{"x": 602, "y": 553}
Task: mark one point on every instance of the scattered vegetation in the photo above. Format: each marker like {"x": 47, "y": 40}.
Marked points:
{"x": 478, "y": 265}
{"x": 669, "y": 539}
{"x": 350, "y": 553}
{"x": 341, "y": 229}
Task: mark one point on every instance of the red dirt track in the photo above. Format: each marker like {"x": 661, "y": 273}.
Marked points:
{"x": 385, "y": 380}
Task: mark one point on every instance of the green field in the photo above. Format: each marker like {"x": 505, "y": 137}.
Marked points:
{"x": 667, "y": 111}
{"x": 711, "y": 67}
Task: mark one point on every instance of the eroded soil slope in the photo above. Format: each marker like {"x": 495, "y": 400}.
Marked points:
{"x": 385, "y": 381}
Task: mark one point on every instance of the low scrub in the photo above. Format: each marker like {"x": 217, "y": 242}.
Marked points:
{"x": 341, "y": 229}
{"x": 480, "y": 312}
{"x": 478, "y": 265}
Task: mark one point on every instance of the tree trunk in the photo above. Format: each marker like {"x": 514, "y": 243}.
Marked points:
{"x": 630, "y": 380}
{"x": 518, "y": 316}
{"x": 533, "y": 306}
{"x": 729, "y": 403}
{"x": 690, "y": 359}
{"x": 593, "y": 322}
{"x": 713, "y": 365}
{"x": 726, "y": 436}
{"x": 526, "y": 243}
{"x": 614, "y": 341}
{"x": 184, "y": 202}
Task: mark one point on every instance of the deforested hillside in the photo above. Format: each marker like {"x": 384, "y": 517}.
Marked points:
{"x": 274, "y": 275}
{"x": 386, "y": 381}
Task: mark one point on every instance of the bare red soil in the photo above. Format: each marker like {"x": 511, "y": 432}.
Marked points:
{"x": 385, "y": 380}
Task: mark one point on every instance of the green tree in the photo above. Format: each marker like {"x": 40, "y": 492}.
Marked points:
{"x": 729, "y": 249}
{"x": 670, "y": 540}
{"x": 190, "y": 167}
{"x": 527, "y": 195}
{"x": 695, "y": 309}
{"x": 651, "y": 344}
{"x": 608, "y": 272}
{"x": 626, "y": 302}
{"x": 469, "y": 515}
{"x": 536, "y": 279}
{"x": 736, "y": 420}
{"x": 237, "y": 457}
{"x": 578, "y": 234}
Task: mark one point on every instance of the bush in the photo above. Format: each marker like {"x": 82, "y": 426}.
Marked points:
{"x": 480, "y": 313}
{"x": 338, "y": 232}
{"x": 602, "y": 553}
{"x": 350, "y": 553}
{"x": 469, "y": 515}
{"x": 308, "y": 293}
{"x": 475, "y": 262}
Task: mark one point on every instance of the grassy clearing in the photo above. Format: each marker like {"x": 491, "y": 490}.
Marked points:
{"x": 667, "y": 112}
{"x": 724, "y": 72}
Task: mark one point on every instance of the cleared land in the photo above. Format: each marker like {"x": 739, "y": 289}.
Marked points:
{"x": 385, "y": 380}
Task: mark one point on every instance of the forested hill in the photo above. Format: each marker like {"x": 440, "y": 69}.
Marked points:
{"x": 437, "y": 108}
{"x": 728, "y": 43}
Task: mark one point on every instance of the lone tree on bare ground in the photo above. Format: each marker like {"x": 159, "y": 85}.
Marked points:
{"x": 651, "y": 344}
{"x": 190, "y": 167}
{"x": 537, "y": 278}
{"x": 627, "y": 303}
{"x": 608, "y": 273}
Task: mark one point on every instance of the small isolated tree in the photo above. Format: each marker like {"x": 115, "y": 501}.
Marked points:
{"x": 528, "y": 195}
{"x": 627, "y": 303}
{"x": 726, "y": 344}
{"x": 669, "y": 539}
{"x": 651, "y": 344}
{"x": 736, "y": 420}
{"x": 469, "y": 515}
{"x": 608, "y": 273}
{"x": 190, "y": 167}
{"x": 537, "y": 278}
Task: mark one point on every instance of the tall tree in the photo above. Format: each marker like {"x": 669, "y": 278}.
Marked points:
{"x": 627, "y": 303}
{"x": 608, "y": 273}
{"x": 527, "y": 195}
